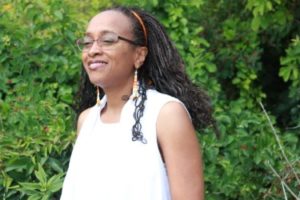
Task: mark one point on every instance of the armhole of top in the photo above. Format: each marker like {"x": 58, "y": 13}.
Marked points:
{"x": 84, "y": 115}
{"x": 169, "y": 101}
{"x": 172, "y": 99}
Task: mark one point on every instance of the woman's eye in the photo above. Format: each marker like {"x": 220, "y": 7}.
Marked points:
{"x": 108, "y": 40}
{"x": 87, "y": 43}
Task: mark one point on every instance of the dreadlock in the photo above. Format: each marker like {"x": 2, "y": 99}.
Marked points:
{"x": 163, "y": 69}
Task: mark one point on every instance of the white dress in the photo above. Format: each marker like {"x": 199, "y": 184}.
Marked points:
{"x": 107, "y": 165}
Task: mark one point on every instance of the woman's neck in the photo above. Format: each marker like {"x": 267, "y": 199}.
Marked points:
{"x": 116, "y": 100}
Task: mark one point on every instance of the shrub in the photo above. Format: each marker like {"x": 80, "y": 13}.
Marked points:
{"x": 242, "y": 52}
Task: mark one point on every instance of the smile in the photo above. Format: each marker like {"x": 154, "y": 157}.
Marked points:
{"x": 96, "y": 64}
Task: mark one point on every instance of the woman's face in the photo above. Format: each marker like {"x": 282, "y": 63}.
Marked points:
{"x": 110, "y": 64}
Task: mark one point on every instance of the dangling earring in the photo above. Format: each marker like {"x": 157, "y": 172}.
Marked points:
{"x": 135, "y": 87}
{"x": 98, "y": 100}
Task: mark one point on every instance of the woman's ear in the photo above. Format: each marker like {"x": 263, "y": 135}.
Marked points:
{"x": 140, "y": 56}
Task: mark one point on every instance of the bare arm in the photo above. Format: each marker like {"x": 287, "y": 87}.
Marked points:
{"x": 81, "y": 119}
{"x": 181, "y": 152}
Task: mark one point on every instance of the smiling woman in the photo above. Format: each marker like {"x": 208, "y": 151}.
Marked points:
{"x": 138, "y": 141}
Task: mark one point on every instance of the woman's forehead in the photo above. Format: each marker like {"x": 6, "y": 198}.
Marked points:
{"x": 110, "y": 20}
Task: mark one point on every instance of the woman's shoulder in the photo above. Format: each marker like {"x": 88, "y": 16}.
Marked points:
{"x": 166, "y": 103}
{"x": 153, "y": 94}
{"x": 82, "y": 117}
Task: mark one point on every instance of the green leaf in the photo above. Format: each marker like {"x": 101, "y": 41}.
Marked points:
{"x": 41, "y": 175}
{"x": 18, "y": 163}
{"x": 7, "y": 181}
{"x": 295, "y": 73}
{"x": 58, "y": 14}
{"x": 211, "y": 68}
{"x": 55, "y": 183}
{"x": 30, "y": 186}
{"x": 285, "y": 73}
{"x": 256, "y": 22}
{"x": 55, "y": 164}
{"x": 35, "y": 197}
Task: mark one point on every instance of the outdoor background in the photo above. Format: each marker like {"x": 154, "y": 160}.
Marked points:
{"x": 245, "y": 53}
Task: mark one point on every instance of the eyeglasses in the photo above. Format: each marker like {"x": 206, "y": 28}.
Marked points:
{"x": 105, "y": 41}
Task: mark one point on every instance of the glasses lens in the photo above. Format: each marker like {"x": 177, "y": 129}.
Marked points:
{"x": 85, "y": 43}
{"x": 80, "y": 44}
{"x": 105, "y": 41}
{"x": 108, "y": 39}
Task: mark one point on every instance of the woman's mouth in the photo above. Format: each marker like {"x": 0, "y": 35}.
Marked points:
{"x": 96, "y": 64}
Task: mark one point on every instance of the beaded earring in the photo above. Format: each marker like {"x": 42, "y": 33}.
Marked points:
{"x": 135, "y": 87}
{"x": 98, "y": 100}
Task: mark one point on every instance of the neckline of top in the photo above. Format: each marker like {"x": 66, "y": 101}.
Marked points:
{"x": 103, "y": 104}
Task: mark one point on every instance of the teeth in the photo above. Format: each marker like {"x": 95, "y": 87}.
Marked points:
{"x": 97, "y": 65}
{"x": 98, "y": 62}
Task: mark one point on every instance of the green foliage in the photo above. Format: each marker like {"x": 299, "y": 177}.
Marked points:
{"x": 44, "y": 188}
{"x": 39, "y": 68}
{"x": 241, "y": 52}
{"x": 290, "y": 69}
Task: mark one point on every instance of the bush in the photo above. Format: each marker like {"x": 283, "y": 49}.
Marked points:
{"x": 243, "y": 53}
{"x": 39, "y": 68}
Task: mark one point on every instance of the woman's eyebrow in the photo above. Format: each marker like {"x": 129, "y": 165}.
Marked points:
{"x": 88, "y": 34}
{"x": 99, "y": 33}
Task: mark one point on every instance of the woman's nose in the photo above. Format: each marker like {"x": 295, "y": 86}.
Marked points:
{"x": 95, "y": 49}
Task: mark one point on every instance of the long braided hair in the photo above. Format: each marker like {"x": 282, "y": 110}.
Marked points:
{"x": 163, "y": 70}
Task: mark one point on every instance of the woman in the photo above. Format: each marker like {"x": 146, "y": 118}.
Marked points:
{"x": 138, "y": 142}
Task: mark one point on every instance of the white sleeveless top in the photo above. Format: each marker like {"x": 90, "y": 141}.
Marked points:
{"x": 107, "y": 165}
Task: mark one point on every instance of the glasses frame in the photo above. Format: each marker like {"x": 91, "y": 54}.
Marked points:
{"x": 79, "y": 42}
